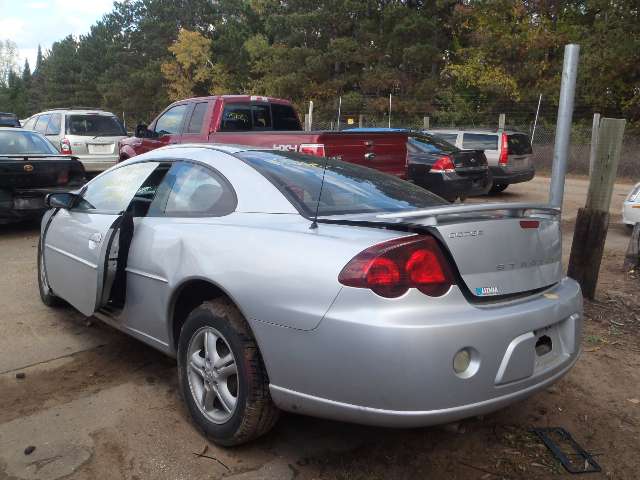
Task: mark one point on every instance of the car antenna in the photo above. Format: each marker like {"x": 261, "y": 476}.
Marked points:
{"x": 314, "y": 224}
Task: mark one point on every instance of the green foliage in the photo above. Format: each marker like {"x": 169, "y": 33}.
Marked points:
{"x": 458, "y": 61}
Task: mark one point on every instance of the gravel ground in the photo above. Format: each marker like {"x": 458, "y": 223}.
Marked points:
{"x": 96, "y": 404}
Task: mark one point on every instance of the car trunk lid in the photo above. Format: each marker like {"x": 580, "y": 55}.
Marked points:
{"x": 469, "y": 162}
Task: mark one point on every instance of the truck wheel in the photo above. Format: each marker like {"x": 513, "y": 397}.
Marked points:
{"x": 222, "y": 377}
{"x": 46, "y": 294}
{"x": 498, "y": 187}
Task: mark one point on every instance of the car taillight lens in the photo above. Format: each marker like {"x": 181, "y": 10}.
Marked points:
{"x": 504, "y": 151}
{"x": 443, "y": 164}
{"x": 316, "y": 149}
{"x": 65, "y": 146}
{"x": 391, "y": 268}
{"x": 63, "y": 177}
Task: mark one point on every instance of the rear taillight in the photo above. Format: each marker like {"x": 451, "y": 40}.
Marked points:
{"x": 316, "y": 149}
{"x": 65, "y": 146}
{"x": 391, "y": 268}
{"x": 504, "y": 151}
{"x": 443, "y": 164}
{"x": 63, "y": 177}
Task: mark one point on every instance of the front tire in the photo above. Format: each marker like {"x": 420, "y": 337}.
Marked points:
{"x": 46, "y": 294}
{"x": 222, "y": 377}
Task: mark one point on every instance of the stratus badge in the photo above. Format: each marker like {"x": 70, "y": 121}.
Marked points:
{"x": 28, "y": 168}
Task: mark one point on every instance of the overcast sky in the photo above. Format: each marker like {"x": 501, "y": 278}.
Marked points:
{"x": 32, "y": 22}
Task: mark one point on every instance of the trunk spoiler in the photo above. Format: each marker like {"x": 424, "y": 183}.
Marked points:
{"x": 430, "y": 216}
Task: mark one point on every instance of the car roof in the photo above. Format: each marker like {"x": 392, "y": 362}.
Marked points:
{"x": 473, "y": 130}
{"x": 221, "y": 147}
{"x": 376, "y": 129}
{"x": 17, "y": 129}
{"x": 80, "y": 111}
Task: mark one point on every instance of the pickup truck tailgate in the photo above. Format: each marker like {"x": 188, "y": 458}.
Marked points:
{"x": 385, "y": 152}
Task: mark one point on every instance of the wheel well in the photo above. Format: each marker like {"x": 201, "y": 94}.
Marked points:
{"x": 190, "y": 296}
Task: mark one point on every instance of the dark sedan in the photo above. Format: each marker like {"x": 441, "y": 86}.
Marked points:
{"x": 442, "y": 168}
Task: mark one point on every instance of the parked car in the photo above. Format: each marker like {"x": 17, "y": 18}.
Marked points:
{"x": 440, "y": 167}
{"x": 91, "y": 135}
{"x": 321, "y": 288}
{"x": 30, "y": 167}
{"x": 508, "y": 153}
{"x": 9, "y": 120}
{"x": 263, "y": 122}
{"x": 631, "y": 207}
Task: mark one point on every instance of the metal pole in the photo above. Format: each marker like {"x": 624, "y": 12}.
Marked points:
{"x": 595, "y": 128}
{"x": 389, "y": 110}
{"x": 310, "y": 126}
{"x": 339, "y": 107}
{"x": 563, "y": 124}
{"x": 535, "y": 122}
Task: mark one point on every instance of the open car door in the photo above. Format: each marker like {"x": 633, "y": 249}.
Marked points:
{"x": 85, "y": 248}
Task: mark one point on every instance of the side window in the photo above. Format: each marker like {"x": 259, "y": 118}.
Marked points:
{"x": 284, "y": 117}
{"x": 170, "y": 123}
{"x": 480, "y": 141}
{"x": 197, "y": 118}
{"x": 191, "y": 190}
{"x": 53, "y": 128}
{"x": 41, "y": 123}
{"x": 261, "y": 117}
{"x": 449, "y": 137}
{"x": 29, "y": 124}
{"x": 236, "y": 118}
{"x": 114, "y": 190}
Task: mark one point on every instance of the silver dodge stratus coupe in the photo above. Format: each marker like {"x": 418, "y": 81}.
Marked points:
{"x": 289, "y": 282}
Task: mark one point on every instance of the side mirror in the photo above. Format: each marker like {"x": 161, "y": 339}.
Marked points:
{"x": 60, "y": 200}
{"x": 142, "y": 131}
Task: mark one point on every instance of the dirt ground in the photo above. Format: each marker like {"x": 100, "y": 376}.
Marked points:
{"x": 97, "y": 404}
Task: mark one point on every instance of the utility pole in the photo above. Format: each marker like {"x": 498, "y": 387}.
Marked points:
{"x": 339, "y": 108}
{"x": 360, "y": 121}
{"x": 563, "y": 124}
{"x": 501, "y": 121}
{"x": 425, "y": 122}
{"x": 593, "y": 220}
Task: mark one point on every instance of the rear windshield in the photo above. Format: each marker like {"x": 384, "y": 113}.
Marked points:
{"x": 479, "y": 141}
{"x": 8, "y": 119}
{"x": 284, "y": 117}
{"x": 430, "y": 144}
{"x": 25, "y": 142}
{"x": 245, "y": 116}
{"x": 347, "y": 189}
{"x": 519, "y": 144}
{"x": 94, "y": 126}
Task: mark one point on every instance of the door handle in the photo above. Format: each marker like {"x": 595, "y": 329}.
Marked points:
{"x": 96, "y": 237}
{"x": 369, "y": 156}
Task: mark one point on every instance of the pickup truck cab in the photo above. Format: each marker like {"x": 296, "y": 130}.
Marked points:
{"x": 264, "y": 122}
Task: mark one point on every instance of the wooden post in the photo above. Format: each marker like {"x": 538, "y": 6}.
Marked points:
{"x": 360, "y": 120}
{"x": 594, "y": 141}
{"x": 593, "y": 220}
{"x": 425, "y": 122}
{"x": 501, "y": 121}
{"x": 632, "y": 257}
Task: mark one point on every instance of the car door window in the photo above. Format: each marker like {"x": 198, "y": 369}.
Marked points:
{"x": 480, "y": 141}
{"x": 29, "y": 124}
{"x": 236, "y": 118}
{"x": 170, "y": 123}
{"x": 449, "y": 137}
{"x": 53, "y": 127}
{"x": 112, "y": 192}
{"x": 41, "y": 123}
{"x": 191, "y": 190}
{"x": 197, "y": 118}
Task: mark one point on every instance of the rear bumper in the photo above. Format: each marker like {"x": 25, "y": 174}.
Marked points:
{"x": 98, "y": 163}
{"x": 506, "y": 176}
{"x": 390, "y": 363}
{"x": 451, "y": 185}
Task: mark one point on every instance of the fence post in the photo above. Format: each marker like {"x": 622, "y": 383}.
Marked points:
{"x": 593, "y": 220}
{"x": 594, "y": 141}
{"x": 425, "y": 123}
{"x": 501, "y": 121}
{"x": 360, "y": 120}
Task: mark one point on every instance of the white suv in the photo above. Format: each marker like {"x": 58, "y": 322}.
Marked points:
{"x": 508, "y": 153}
{"x": 92, "y": 135}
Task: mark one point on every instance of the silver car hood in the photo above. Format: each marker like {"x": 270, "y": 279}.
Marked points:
{"x": 499, "y": 249}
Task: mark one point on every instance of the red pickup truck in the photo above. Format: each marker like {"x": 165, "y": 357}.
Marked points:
{"x": 264, "y": 122}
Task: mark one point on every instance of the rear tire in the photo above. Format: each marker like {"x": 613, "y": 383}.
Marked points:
{"x": 222, "y": 377}
{"x": 498, "y": 187}
{"x": 46, "y": 294}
